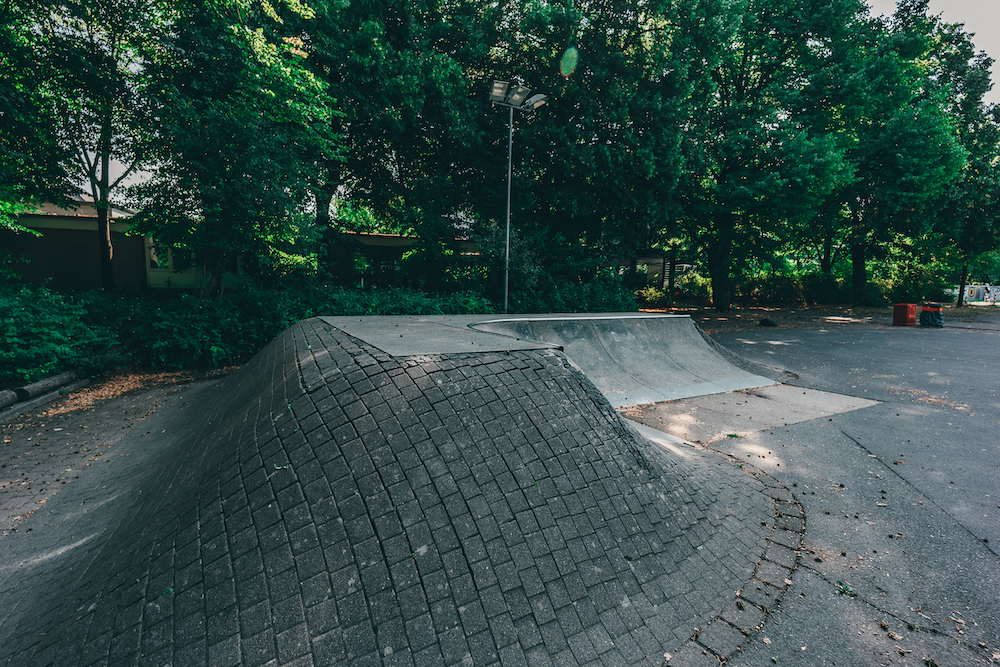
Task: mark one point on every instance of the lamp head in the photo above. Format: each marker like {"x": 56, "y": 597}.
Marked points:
{"x": 517, "y": 95}
{"x": 535, "y": 101}
{"x": 499, "y": 91}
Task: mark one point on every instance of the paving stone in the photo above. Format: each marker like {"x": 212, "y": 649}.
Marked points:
{"x": 744, "y": 615}
{"x": 692, "y": 655}
{"x": 773, "y": 574}
{"x": 721, "y": 638}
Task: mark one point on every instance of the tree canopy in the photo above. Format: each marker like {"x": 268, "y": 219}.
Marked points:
{"x": 755, "y": 134}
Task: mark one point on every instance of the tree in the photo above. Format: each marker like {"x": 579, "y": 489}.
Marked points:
{"x": 397, "y": 71}
{"x": 968, "y": 213}
{"x": 33, "y": 166}
{"x": 241, "y": 123}
{"x": 754, "y": 163}
{"x": 595, "y": 171}
{"x": 885, "y": 112}
{"x": 92, "y": 69}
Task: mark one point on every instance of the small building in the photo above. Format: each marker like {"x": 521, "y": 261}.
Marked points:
{"x": 67, "y": 254}
{"x": 659, "y": 266}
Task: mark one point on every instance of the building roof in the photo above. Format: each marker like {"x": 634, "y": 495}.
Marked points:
{"x": 84, "y": 209}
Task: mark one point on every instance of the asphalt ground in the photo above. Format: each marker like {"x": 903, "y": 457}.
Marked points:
{"x": 902, "y": 499}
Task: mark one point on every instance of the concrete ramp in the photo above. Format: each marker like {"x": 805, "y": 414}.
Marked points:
{"x": 635, "y": 358}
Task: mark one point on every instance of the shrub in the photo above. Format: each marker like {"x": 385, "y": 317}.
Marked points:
{"x": 824, "y": 288}
{"x": 916, "y": 286}
{"x": 652, "y": 297}
{"x": 181, "y": 331}
{"x": 692, "y": 286}
{"x": 43, "y": 332}
{"x": 604, "y": 293}
{"x": 769, "y": 288}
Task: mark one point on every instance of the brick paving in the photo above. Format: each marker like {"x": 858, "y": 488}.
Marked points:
{"x": 331, "y": 504}
{"x": 39, "y": 453}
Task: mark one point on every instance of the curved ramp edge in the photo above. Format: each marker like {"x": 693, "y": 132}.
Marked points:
{"x": 639, "y": 359}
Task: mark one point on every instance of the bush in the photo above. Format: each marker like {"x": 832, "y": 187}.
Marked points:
{"x": 916, "y": 286}
{"x": 692, "y": 286}
{"x": 769, "y": 288}
{"x": 653, "y": 297}
{"x": 181, "y": 331}
{"x": 43, "y": 333}
{"x": 602, "y": 294}
{"x": 47, "y": 332}
{"x": 824, "y": 288}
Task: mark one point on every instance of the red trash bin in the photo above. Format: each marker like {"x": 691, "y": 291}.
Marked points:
{"x": 904, "y": 315}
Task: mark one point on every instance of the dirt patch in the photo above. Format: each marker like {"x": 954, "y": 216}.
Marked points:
{"x": 121, "y": 382}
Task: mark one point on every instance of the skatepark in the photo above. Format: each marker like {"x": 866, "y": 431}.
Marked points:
{"x": 466, "y": 490}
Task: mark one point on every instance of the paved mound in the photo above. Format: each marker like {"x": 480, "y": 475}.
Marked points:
{"x": 636, "y": 359}
{"x": 332, "y": 504}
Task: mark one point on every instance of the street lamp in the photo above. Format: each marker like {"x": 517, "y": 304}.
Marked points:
{"x": 512, "y": 97}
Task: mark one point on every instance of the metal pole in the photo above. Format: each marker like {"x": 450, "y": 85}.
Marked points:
{"x": 510, "y": 152}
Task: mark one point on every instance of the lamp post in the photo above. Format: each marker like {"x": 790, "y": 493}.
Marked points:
{"x": 512, "y": 97}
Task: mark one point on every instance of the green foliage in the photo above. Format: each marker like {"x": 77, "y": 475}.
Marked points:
{"x": 41, "y": 332}
{"x": 47, "y": 332}
{"x": 33, "y": 162}
{"x": 755, "y": 165}
{"x": 10, "y": 280}
{"x": 986, "y": 269}
{"x": 11, "y": 209}
{"x": 824, "y": 288}
{"x": 768, "y": 138}
{"x": 809, "y": 288}
{"x": 652, "y": 297}
{"x": 692, "y": 286}
{"x": 184, "y": 331}
{"x": 243, "y": 123}
{"x": 603, "y": 293}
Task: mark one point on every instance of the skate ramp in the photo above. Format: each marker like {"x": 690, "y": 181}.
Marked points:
{"x": 635, "y": 359}
{"x": 330, "y": 503}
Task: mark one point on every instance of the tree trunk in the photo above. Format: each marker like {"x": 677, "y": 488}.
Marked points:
{"x": 673, "y": 273}
{"x": 961, "y": 285}
{"x": 107, "y": 249}
{"x": 719, "y": 253}
{"x": 826, "y": 261}
{"x": 858, "y": 262}
{"x": 213, "y": 269}
{"x": 324, "y": 197}
{"x": 103, "y": 206}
